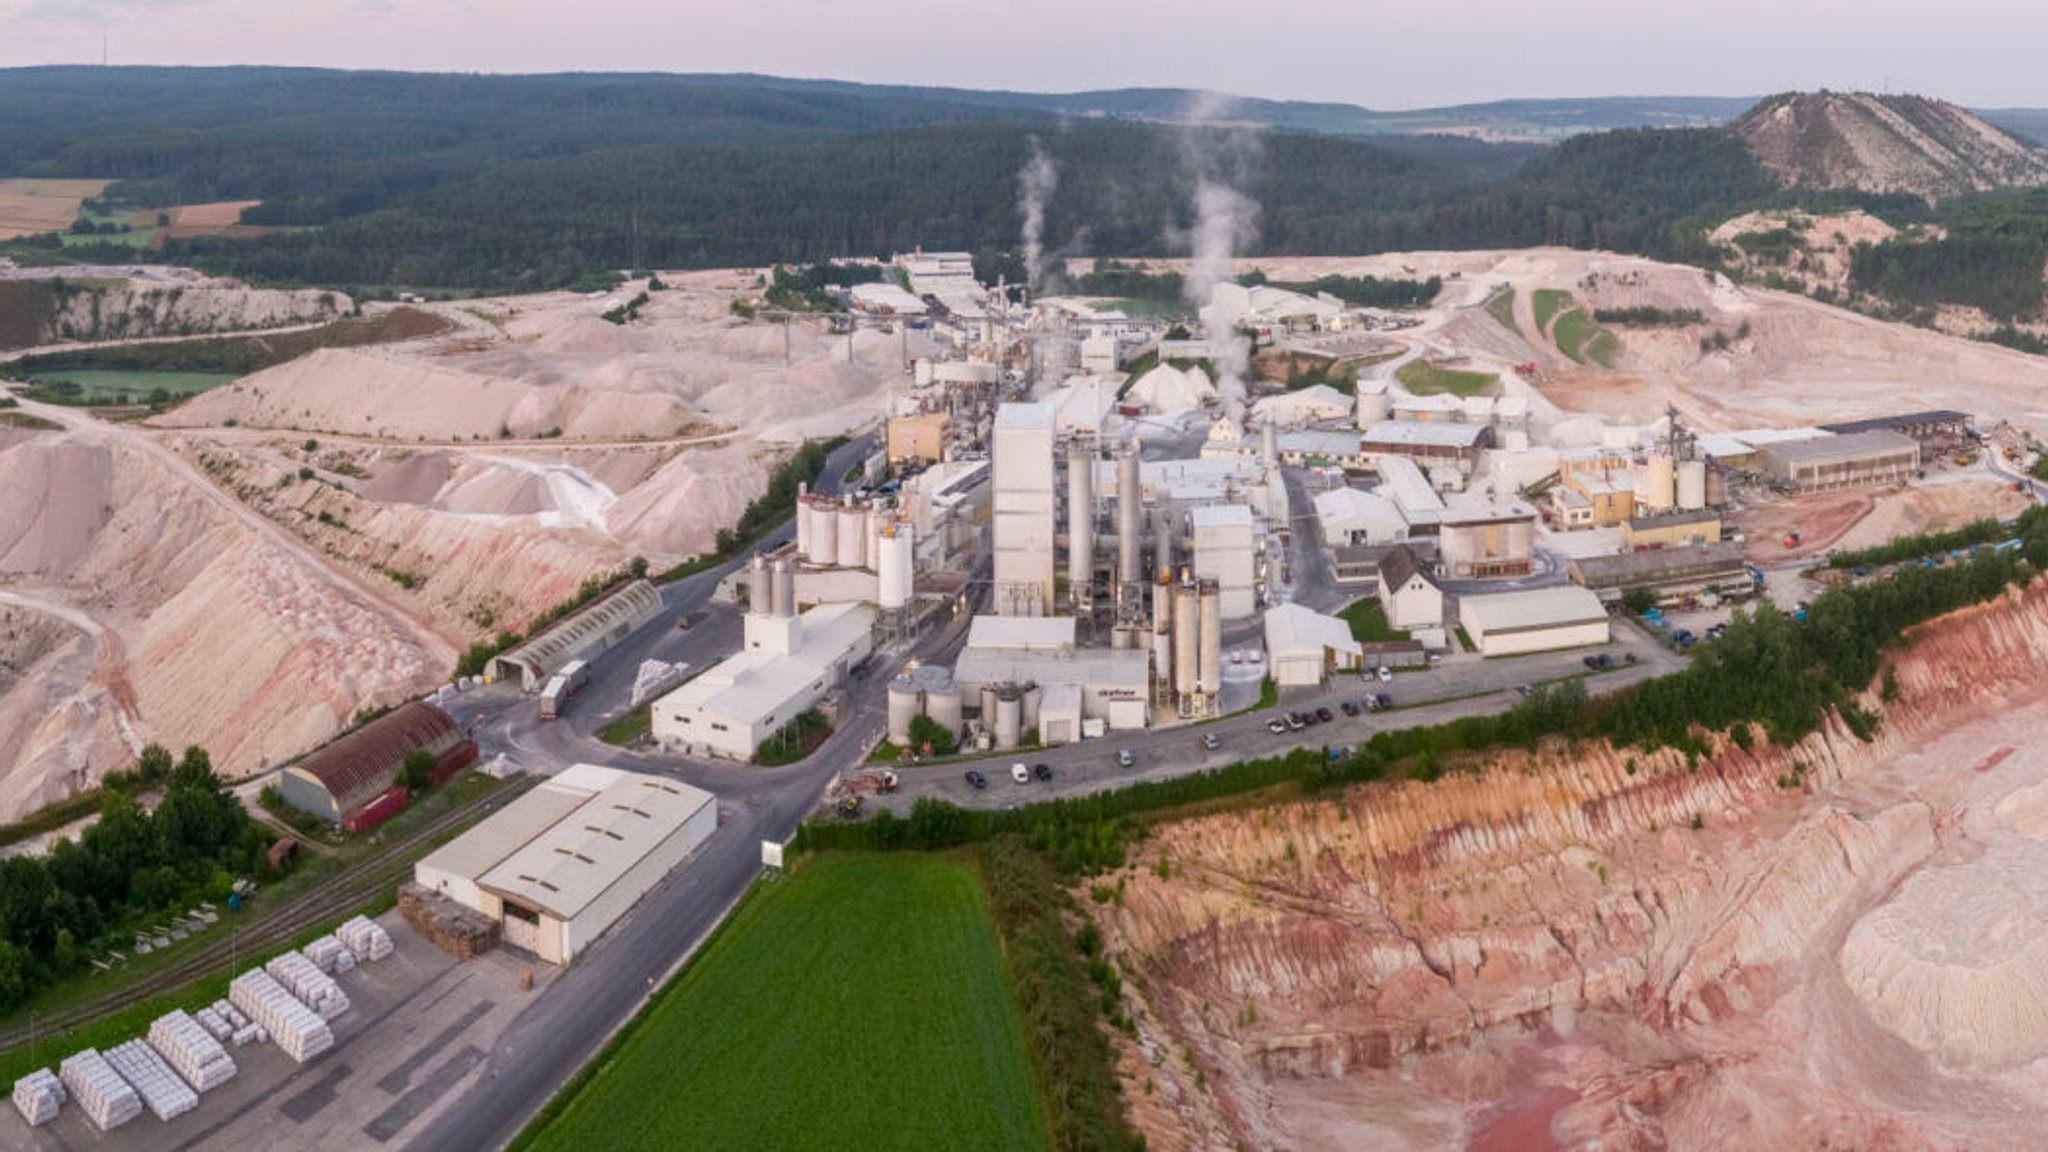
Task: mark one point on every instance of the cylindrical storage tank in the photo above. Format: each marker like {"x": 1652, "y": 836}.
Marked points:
{"x": 783, "y": 603}
{"x": 853, "y": 533}
{"x": 1374, "y": 405}
{"x": 1692, "y": 485}
{"x": 1162, "y": 656}
{"x": 1120, "y": 637}
{"x": 933, "y": 677}
{"x": 1640, "y": 485}
{"x": 1080, "y": 519}
{"x": 1210, "y": 670}
{"x": 1717, "y": 488}
{"x": 1034, "y": 704}
{"x": 760, "y": 597}
{"x": 1009, "y": 721}
{"x": 1661, "y": 483}
{"x": 1162, "y": 604}
{"x": 1186, "y": 637}
{"x": 905, "y": 702}
{"x": 824, "y": 549}
{"x": 1162, "y": 541}
{"x": 893, "y": 568}
{"x": 1129, "y": 515}
{"x": 943, "y": 706}
{"x": 803, "y": 520}
{"x": 873, "y": 537}
{"x": 988, "y": 705}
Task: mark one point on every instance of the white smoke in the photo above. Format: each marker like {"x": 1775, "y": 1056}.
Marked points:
{"x": 1216, "y": 155}
{"x": 1035, "y": 184}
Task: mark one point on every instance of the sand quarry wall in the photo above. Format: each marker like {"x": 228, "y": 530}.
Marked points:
{"x": 1322, "y": 940}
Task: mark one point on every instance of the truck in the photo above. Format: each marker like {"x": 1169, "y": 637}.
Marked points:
{"x": 561, "y": 686}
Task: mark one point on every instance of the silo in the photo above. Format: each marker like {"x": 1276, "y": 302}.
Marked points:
{"x": 988, "y": 706}
{"x": 1717, "y": 487}
{"x": 1009, "y": 718}
{"x": 852, "y": 543}
{"x": 943, "y": 706}
{"x": 760, "y": 597}
{"x": 1162, "y": 540}
{"x": 824, "y": 549}
{"x": 1692, "y": 485}
{"x": 1374, "y": 405}
{"x": 1661, "y": 483}
{"x": 782, "y": 604}
{"x": 1186, "y": 636}
{"x": 1034, "y": 705}
{"x": 1129, "y": 505}
{"x": 871, "y": 538}
{"x": 905, "y": 703}
{"x": 803, "y": 519}
{"x": 1210, "y": 670}
{"x": 895, "y": 568}
{"x": 1080, "y": 519}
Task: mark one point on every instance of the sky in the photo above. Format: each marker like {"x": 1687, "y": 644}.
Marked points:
{"x": 1416, "y": 53}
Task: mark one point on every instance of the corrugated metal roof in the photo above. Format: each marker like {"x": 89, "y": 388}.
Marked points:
{"x": 365, "y": 762}
{"x": 576, "y": 859}
{"x": 1292, "y": 626}
{"x": 480, "y": 849}
{"x": 1537, "y": 608}
{"x": 628, "y": 606}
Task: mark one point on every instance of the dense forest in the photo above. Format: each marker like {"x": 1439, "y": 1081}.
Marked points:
{"x": 1989, "y": 254}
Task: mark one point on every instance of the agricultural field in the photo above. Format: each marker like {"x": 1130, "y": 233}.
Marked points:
{"x": 859, "y": 1002}
{"x": 1426, "y": 379}
{"x": 120, "y": 386}
{"x": 28, "y": 207}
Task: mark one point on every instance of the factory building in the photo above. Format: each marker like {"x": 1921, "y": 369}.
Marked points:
{"x": 1595, "y": 489}
{"x": 1315, "y": 404}
{"x": 1542, "y": 620}
{"x": 886, "y": 299}
{"x": 361, "y": 767}
{"x": 1350, "y": 517}
{"x": 561, "y": 864}
{"x": 1304, "y": 646}
{"x": 1427, "y": 444}
{"x": 1436, "y": 408}
{"x": 1360, "y": 563}
{"x": 1936, "y": 431}
{"x": 1402, "y": 481}
{"x": 1266, "y": 309}
{"x": 1408, "y": 595}
{"x": 1084, "y": 404}
{"x": 1674, "y": 529}
{"x": 786, "y": 666}
{"x": 1482, "y": 537}
{"x": 1226, "y": 546}
{"x": 1108, "y": 685}
{"x": 1320, "y": 448}
{"x": 594, "y": 628}
{"x": 1022, "y": 520}
{"x": 919, "y": 438}
{"x": 1879, "y": 457}
{"x": 1671, "y": 573}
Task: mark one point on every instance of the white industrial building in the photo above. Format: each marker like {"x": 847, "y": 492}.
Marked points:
{"x": 1349, "y": 516}
{"x": 1298, "y": 409}
{"x": 561, "y": 864}
{"x": 1103, "y": 687}
{"x": 1319, "y": 446}
{"x": 1023, "y": 510}
{"x": 885, "y": 299}
{"x": 1402, "y": 481}
{"x": 1510, "y": 623}
{"x": 1083, "y": 404}
{"x": 580, "y": 635}
{"x": 1226, "y": 545}
{"x": 787, "y": 665}
{"x": 1267, "y": 308}
{"x": 1304, "y": 646}
{"x": 1428, "y": 445}
{"x": 1167, "y": 389}
{"x": 1408, "y": 596}
{"x": 1482, "y": 537}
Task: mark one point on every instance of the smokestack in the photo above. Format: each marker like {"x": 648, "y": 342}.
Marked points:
{"x": 1129, "y": 498}
{"x": 1080, "y": 520}
{"x": 759, "y": 595}
{"x": 1162, "y": 541}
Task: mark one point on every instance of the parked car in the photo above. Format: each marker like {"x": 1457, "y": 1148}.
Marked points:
{"x": 1349, "y": 708}
{"x": 1323, "y": 714}
{"x": 1525, "y": 689}
{"x": 976, "y": 780}
{"x": 1042, "y": 771}
{"x": 1384, "y": 701}
{"x": 1295, "y": 722}
{"x": 1020, "y": 773}
{"x": 1386, "y": 673}
{"x": 1124, "y": 759}
{"x": 1276, "y": 727}
{"x": 1210, "y": 741}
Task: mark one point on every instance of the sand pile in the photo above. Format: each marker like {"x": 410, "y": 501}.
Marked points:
{"x": 58, "y": 498}
{"x": 59, "y": 726}
{"x": 680, "y": 508}
{"x": 358, "y": 393}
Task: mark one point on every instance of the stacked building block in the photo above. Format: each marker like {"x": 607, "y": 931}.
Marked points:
{"x": 191, "y": 1050}
{"x": 366, "y": 938}
{"x": 38, "y": 1096}
{"x": 214, "y": 1023}
{"x": 328, "y": 954}
{"x": 299, "y": 1030}
{"x": 161, "y": 1089}
{"x": 306, "y": 981}
{"x": 106, "y": 1099}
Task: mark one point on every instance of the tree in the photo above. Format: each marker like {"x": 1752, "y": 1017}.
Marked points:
{"x": 154, "y": 765}
{"x": 1638, "y": 600}
{"x": 416, "y": 771}
{"x": 926, "y": 732}
{"x": 935, "y": 823}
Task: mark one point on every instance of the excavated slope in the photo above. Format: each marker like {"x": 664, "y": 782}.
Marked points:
{"x": 1678, "y": 955}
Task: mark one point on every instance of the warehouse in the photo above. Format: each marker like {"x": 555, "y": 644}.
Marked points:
{"x": 1302, "y": 407}
{"x": 1311, "y": 448}
{"x": 1937, "y": 431}
{"x": 1878, "y": 457}
{"x": 1304, "y": 646}
{"x": 1668, "y": 572}
{"x": 1458, "y": 445}
{"x": 1403, "y": 482}
{"x": 789, "y": 664}
{"x": 561, "y": 864}
{"x": 1671, "y": 529}
{"x": 361, "y": 766}
{"x": 582, "y": 634}
{"x": 1225, "y": 547}
{"x": 1483, "y": 538}
{"x": 1410, "y": 598}
{"x": 1511, "y": 623}
{"x": 1348, "y": 517}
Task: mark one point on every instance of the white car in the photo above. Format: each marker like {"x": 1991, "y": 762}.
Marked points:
{"x": 1386, "y": 674}
{"x": 1020, "y": 773}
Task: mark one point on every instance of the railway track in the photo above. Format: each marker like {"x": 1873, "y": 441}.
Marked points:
{"x": 331, "y": 901}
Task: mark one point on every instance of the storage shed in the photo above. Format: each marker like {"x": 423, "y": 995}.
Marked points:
{"x": 1304, "y": 646}
{"x": 1511, "y": 623}
{"x": 582, "y": 634}
{"x": 362, "y": 765}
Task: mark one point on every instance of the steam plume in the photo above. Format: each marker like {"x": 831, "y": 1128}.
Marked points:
{"x": 1035, "y": 184}
{"x": 1226, "y": 221}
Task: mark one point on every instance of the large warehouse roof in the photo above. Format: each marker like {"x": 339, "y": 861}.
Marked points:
{"x": 363, "y": 763}
{"x": 1538, "y": 608}
{"x": 1840, "y": 449}
{"x": 1292, "y": 627}
{"x": 1659, "y": 565}
{"x": 1040, "y": 633}
{"x": 544, "y": 806}
{"x": 570, "y": 864}
{"x": 1423, "y": 434}
{"x": 627, "y": 607}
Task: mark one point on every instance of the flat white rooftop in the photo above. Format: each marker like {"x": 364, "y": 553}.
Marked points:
{"x": 1423, "y": 434}
{"x": 576, "y": 859}
{"x": 1026, "y": 415}
{"x": 1021, "y": 633}
{"x": 1538, "y": 608}
{"x": 1220, "y": 516}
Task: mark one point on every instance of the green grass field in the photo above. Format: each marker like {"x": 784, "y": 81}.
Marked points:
{"x": 1368, "y": 620}
{"x": 1546, "y": 302}
{"x": 103, "y": 385}
{"x": 1426, "y": 379}
{"x": 1502, "y": 308}
{"x": 857, "y": 1003}
{"x": 1581, "y": 339}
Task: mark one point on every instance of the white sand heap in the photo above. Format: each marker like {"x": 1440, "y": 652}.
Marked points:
{"x": 1169, "y": 389}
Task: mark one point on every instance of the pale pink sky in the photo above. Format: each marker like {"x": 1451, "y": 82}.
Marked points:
{"x": 1372, "y": 52}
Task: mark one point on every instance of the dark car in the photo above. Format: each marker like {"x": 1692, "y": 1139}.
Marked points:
{"x": 1323, "y": 714}
{"x": 1349, "y": 708}
{"x": 976, "y": 779}
{"x": 1042, "y": 771}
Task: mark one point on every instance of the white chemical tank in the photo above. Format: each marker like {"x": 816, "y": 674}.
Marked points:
{"x": 1129, "y": 514}
{"x": 760, "y": 597}
{"x": 1210, "y": 672}
{"x": 895, "y": 567}
{"x": 988, "y": 705}
{"x": 906, "y": 703}
{"x": 803, "y": 520}
{"x": 1186, "y": 655}
{"x": 1009, "y": 720}
{"x": 1660, "y": 483}
{"x": 1034, "y": 706}
{"x": 943, "y": 706}
{"x": 824, "y": 549}
{"x": 853, "y": 533}
{"x": 1692, "y": 485}
{"x": 1374, "y": 405}
{"x": 782, "y": 603}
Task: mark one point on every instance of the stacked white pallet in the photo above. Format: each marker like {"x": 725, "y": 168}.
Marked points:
{"x": 166, "y": 1095}
{"x": 231, "y": 1014}
{"x": 248, "y": 1034}
{"x": 215, "y": 1023}
{"x": 298, "y": 1029}
{"x": 326, "y": 954}
{"x": 366, "y": 938}
{"x": 308, "y": 983}
{"x": 106, "y": 1099}
{"x": 38, "y": 1096}
{"x": 192, "y": 1051}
